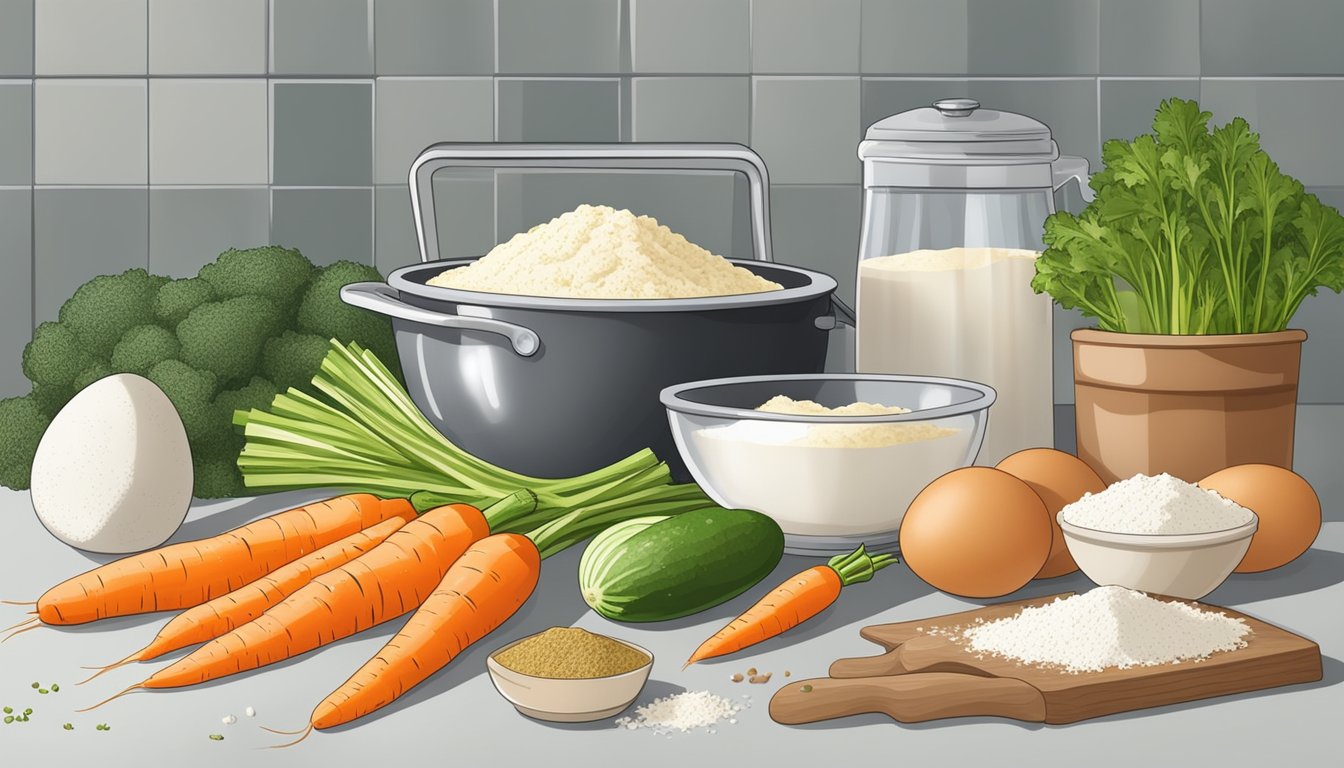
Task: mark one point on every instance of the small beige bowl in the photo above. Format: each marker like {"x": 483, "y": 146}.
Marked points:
{"x": 1186, "y": 565}
{"x": 564, "y": 700}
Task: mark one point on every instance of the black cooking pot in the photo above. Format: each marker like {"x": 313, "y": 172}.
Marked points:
{"x": 555, "y": 387}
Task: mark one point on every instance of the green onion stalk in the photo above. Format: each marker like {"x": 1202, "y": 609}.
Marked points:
{"x": 364, "y": 434}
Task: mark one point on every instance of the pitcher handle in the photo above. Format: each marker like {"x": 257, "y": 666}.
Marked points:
{"x": 1072, "y": 167}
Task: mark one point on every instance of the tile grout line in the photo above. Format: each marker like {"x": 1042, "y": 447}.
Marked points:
{"x": 32, "y": 182}
{"x": 370, "y": 19}
{"x": 149, "y": 216}
{"x": 270, "y": 138}
{"x": 373, "y": 142}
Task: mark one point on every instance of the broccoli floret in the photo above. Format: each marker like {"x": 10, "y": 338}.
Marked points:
{"x": 324, "y": 314}
{"x": 258, "y": 393}
{"x": 191, "y": 392}
{"x": 143, "y": 347}
{"x": 215, "y": 477}
{"x": 105, "y": 308}
{"x": 271, "y": 271}
{"x": 226, "y": 337}
{"x": 292, "y": 359}
{"x": 94, "y": 372}
{"x": 175, "y": 300}
{"x": 55, "y": 356}
{"x": 51, "y": 398}
{"x": 22, "y": 423}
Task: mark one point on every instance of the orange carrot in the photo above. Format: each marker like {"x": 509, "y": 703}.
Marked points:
{"x": 389, "y": 580}
{"x": 192, "y": 572}
{"x": 228, "y": 612}
{"x": 481, "y": 591}
{"x": 793, "y": 602}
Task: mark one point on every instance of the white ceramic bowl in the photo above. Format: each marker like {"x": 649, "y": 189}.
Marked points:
{"x": 567, "y": 700}
{"x": 1186, "y": 565}
{"x": 826, "y": 498}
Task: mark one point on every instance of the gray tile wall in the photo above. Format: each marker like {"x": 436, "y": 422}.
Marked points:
{"x": 157, "y": 132}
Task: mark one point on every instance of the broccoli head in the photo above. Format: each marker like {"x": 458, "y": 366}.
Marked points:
{"x": 51, "y": 398}
{"x": 176, "y": 299}
{"x": 105, "y": 308}
{"x": 257, "y": 393}
{"x": 277, "y": 273}
{"x": 215, "y": 477}
{"x": 226, "y": 337}
{"x": 55, "y": 357}
{"x": 94, "y": 372}
{"x": 143, "y": 347}
{"x": 22, "y": 423}
{"x": 292, "y": 359}
{"x": 322, "y": 312}
{"x": 191, "y": 392}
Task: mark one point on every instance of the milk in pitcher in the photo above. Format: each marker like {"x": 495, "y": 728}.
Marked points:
{"x": 967, "y": 313}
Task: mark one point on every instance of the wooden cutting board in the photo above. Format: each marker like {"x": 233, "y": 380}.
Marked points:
{"x": 926, "y": 677}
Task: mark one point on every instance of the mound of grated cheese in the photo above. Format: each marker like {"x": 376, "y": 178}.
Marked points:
{"x": 598, "y": 252}
{"x": 682, "y": 712}
{"x": 829, "y": 435}
{"x": 1159, "y": 504}
{"x": 1107, "y": 627}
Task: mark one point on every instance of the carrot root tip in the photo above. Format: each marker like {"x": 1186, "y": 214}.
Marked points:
{"x": 107, "y": 668}
{"x": 129, "y": 689}
{"x": 18, "y": 602}
{"x": 284, "y": 733}
{"x": 23, "y": 623}
{"x": 31, "y": 622}
{"x": 306, "y": 733}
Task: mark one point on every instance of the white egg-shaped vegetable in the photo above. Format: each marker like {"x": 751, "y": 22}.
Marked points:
{"x": 113, "y": 471}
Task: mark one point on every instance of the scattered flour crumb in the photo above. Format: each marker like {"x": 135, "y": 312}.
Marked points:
{"x": 682, "y": 712}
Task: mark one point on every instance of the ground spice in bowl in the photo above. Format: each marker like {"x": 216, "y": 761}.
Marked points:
{"x": 570, "y": 653}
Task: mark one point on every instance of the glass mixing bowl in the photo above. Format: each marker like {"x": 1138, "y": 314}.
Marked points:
{"x": 834, "y": 481}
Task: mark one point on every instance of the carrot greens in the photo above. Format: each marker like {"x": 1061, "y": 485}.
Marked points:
{"x": 365, "y": 433}
{"x": 1193, "y": 231}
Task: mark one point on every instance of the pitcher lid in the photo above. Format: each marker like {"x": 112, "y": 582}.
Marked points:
{"x": 959, "y": 128}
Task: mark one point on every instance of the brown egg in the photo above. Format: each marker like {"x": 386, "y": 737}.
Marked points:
{"x": 976, "y": 532}
{"x": 1288, "y": 508}
{"x": 1059, "y": 478}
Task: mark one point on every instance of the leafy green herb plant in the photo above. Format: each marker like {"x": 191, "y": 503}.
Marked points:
{"x": 1193, "y": 231}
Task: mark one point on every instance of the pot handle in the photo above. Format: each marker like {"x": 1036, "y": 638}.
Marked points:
{"x": 841, "y": 316}
{"x": 383, "y": 299}
{"x": 1069, "y": 167}
{"x": 624, "y": 157}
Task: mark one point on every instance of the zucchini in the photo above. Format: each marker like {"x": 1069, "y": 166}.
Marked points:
{"x": 659, "y": 568}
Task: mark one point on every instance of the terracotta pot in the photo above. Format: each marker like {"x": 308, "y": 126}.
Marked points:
{"x": 1185, "y": 405}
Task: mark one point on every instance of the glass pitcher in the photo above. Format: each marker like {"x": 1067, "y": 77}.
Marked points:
{"x": 955, "y": 198}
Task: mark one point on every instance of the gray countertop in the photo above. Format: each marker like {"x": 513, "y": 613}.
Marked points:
{"x": 457, "y": 718}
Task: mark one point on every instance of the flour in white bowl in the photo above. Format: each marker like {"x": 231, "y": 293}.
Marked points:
{"x": 1157, "y": 504}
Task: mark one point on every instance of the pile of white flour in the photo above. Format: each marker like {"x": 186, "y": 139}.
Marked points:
{"x": 1107, "y": 627}
{"x": 597, "y": 252}
{"x": 1159, "y": 504}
